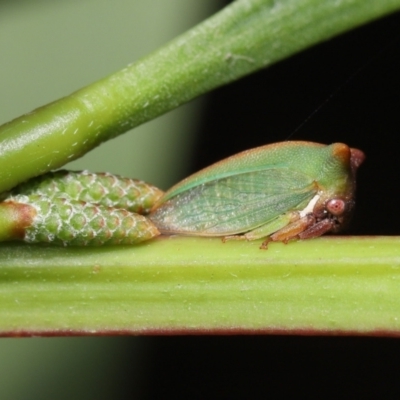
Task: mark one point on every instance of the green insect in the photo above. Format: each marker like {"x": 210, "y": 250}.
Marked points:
{"x": 282, "y": 191}
{"x": 279, "y": 192}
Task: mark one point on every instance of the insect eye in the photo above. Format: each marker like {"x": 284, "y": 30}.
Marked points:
{"x": 336, "y": 206}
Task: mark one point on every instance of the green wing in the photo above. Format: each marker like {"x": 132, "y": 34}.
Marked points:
{"x": 235, "y": 204}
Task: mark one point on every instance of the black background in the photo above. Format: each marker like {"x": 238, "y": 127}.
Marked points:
{"x": 268, "y": 107}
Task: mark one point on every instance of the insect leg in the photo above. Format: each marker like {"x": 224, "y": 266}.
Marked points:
{"x": 290, "y": 231}
{"x": 317, "y": 229}
{"x": 267, "y": 229}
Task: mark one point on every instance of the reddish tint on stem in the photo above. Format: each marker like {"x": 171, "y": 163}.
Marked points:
{"x": 14, "y": 219}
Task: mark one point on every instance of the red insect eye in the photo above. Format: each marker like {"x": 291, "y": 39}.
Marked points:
{"x": 336, "y": 206}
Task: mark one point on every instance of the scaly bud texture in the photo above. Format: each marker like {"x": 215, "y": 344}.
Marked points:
{"x": 99, "y": 188}
{"x": 82, "y": 208}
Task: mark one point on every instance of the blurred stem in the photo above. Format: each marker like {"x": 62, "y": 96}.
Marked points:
{"x": 198, "y": 285}
{"x": 242, "y": 38}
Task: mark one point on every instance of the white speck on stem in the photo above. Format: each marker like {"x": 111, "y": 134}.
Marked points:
{"x": 236, "y": 57}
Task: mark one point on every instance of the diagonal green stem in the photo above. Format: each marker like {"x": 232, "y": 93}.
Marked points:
{"x": 242, "y": 38}
{"x": 330, "y": 285}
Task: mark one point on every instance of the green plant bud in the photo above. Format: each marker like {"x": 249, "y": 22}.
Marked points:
{"x": 100, "y": 188}
{"x": 69, "y": 222}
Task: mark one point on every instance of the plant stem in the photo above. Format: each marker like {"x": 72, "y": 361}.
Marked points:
{"x": 242, "y": 38}
{"x": 332, "y": 285}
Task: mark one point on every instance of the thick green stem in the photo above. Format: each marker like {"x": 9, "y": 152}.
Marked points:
{"x": 190, "y": 285}
{"x": 242, "y": 38}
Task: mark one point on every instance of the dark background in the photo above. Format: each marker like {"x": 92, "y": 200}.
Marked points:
{"x": 362, "y": 67}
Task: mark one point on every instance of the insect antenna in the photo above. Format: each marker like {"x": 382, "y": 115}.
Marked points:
{"x": 366, "y": 64}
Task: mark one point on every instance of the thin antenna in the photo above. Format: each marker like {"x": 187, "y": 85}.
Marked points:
{"x": 343, "y": 85}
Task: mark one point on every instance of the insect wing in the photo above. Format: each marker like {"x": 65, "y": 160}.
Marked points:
{"x": 295, "y": 156}
{"x": 235, "y": 204}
